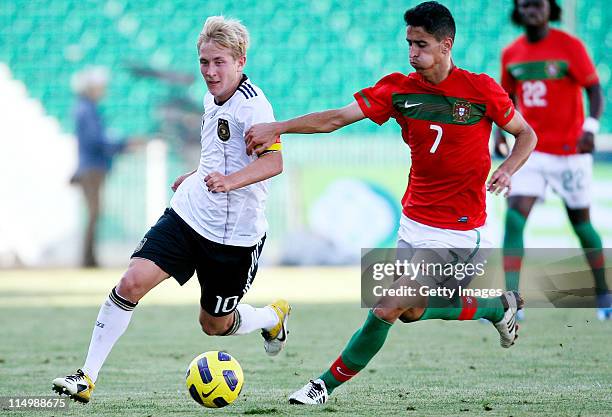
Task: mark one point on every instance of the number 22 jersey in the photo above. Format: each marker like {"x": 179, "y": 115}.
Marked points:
{"x": 547, "y": 78}
{"x": 447, "y": 127}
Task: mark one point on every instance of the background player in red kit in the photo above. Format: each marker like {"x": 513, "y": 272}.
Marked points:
{"x": 544, "y": 71}
{"x": 446, "y": 115}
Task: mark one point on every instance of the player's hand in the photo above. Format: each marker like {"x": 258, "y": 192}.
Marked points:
{"x": 260, "y": 137}
{"x": 500, "y": 149}
{"x": 179, "y": 181}
{"x": 217, "y": 183}
{"x": 500, "y": 181}
{"x": 586, "y": 143}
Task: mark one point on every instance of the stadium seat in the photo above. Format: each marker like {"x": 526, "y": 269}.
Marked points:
{"x": 307, "y": 56}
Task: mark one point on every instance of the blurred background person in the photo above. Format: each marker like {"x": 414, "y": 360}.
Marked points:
{"x": 96, "y": 149}
{"x": 544, "y": 71}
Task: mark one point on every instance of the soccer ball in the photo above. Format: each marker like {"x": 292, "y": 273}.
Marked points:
{"x": 214, "y": 379}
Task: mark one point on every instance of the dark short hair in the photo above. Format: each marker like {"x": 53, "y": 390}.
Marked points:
{"x": 435, "y": 18}
{"x": 555, "y": 13}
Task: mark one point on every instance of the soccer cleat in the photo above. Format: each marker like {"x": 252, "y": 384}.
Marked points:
{"x": 604, "y": 314}
{"x": 507, "y": 327}
{"x": 78, "y": 386}
{"x": 276, "y": 338}
{"x": 604, "y": 307}
{"x": 314, "y": 392}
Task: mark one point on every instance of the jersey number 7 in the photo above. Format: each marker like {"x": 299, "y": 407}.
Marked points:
{"x": 438, "y": 130}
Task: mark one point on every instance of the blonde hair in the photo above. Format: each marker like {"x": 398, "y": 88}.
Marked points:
{"x": 227, "y": 33}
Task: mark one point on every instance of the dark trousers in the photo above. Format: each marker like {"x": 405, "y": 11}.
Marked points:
{"x": 91, "y": 183}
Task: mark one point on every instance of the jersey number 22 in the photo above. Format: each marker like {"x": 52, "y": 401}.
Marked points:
{"x": 534, "y": 93}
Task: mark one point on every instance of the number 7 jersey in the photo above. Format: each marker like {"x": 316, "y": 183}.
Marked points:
{"x": 447, "y": 127}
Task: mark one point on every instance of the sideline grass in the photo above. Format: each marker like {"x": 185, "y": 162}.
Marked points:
{"x": 561, "y": 365}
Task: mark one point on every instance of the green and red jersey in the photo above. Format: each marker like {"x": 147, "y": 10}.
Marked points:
{"x": 547, "y": 78}
{"x": 447, "y": 127}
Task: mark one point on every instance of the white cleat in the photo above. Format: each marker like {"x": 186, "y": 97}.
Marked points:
{"x": 314, "y": 392}
{"x": 507, "y": 326}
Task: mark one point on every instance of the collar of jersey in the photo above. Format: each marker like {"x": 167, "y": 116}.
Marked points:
{"x": 452, "y": 73}
{"x": 244, "y": 78}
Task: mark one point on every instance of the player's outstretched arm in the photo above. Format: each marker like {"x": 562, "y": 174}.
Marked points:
{"x": 266, "y": 166}
{"x": 524, "y": 144}
{"x": 263, "y": 135}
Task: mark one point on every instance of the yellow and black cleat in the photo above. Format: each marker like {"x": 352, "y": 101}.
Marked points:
{"x": 276, "y": 338}
{"x": 77, "y": 386}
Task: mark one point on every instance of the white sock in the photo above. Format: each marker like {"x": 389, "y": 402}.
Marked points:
{"x": 113, "y": 319}
{"x": 253, "y": 318}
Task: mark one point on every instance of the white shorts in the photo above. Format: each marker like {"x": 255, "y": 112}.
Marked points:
{"x": 446, "y": 246}
{"x": 417, "y": 235}
{"x": 570, "y": 177}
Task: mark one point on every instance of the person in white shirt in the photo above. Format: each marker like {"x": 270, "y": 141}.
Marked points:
{"x": 215, "y": 225}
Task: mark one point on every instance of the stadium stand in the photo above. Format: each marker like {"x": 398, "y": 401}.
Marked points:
{"x": 305, "y": 55}
{"x": 340, "y": 46}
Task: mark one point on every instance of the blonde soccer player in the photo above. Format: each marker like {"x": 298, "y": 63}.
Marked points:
{"x": 215, "y": 225}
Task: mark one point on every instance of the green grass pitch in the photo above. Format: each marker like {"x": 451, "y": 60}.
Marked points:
{"x": 561, "y": 365}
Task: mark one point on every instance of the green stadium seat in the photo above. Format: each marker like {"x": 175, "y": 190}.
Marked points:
{"x": 307, "y": 56}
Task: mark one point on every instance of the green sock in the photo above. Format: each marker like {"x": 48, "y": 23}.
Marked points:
{"x": 464, "y": 308}
{"x": 362, "y": 347}
{"x": 591, "y": 242}
{"x": 513, "y": 248}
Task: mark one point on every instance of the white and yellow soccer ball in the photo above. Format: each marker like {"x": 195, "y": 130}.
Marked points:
{"x": 214, "y": 379}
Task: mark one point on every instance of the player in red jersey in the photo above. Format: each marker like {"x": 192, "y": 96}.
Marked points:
{"x": 544, "y": 72}
{"x": 446, "y": 115}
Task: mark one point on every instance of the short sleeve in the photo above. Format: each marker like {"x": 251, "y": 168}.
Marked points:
{"x": 256, "y": 111}
{"x": 581, "y": 67}
{"x": 500, "y": 108}
{"x": 376, "y": 102}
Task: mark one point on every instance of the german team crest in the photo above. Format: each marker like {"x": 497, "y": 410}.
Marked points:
{"x": 223, "y": 130}
{"x": 462, "y": 111}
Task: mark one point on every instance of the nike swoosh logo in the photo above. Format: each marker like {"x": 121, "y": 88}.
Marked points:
{"x": 206, "y": 395}
{"x": 282, "y": 336}
{"x": 407, "y": 105}
{"x": 343, "y": 373}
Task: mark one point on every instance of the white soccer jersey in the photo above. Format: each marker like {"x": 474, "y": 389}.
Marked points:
{"x": 236, "y": 218}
